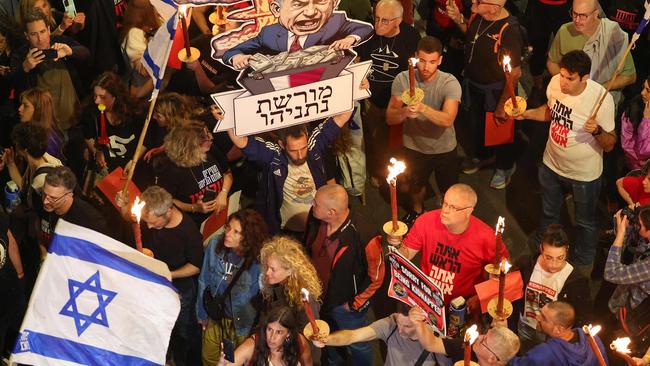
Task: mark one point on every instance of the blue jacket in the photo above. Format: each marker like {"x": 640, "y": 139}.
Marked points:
{"x": 274, "y": 163}
{"x": 558, "y": 352}
{"x": 273, "y": 39}
{"x": 242, "y": 295}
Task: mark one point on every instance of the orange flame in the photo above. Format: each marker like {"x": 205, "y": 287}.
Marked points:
{"x": 396, "y": 168}
{"x": 137, "y": 208}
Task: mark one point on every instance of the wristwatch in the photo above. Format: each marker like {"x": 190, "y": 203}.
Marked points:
{"x": 598, "y": 131}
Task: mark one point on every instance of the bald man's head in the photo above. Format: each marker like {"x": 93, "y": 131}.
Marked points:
{"x": 330, "y": 202}
{"x": 466, "y": 192}
{"x": 562, "y": 313}
{"x": 584, "y": 14}
{"x": 393, "y": 5}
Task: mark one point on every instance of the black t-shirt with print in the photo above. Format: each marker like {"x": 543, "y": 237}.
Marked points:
{"x": 176, "y": 247}
{"x": 389, "y": 57}
{"x": 482, "y": 63}
{"x": 80, "y": 213}
{"x": 123, "y": 138}
{"x": 190, "y": 185}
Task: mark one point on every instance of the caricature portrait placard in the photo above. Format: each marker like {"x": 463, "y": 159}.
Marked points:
{"x": 295, "y": 59}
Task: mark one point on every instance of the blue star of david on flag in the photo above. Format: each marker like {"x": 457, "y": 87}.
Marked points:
{"x": 98, "y": 316}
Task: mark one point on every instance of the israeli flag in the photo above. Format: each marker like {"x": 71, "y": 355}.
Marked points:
{"x": 643, "y": 23}
{"x": 157, "y": 52}
{"x": 97, "y": 302}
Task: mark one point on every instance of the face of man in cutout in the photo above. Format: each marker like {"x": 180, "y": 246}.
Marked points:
{"x": 303, "y": 17}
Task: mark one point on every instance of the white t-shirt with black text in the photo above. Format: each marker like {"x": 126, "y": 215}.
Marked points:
{"x": 571, "y": 152}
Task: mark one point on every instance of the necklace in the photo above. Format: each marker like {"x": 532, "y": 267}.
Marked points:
{"x": 194, "y": 176}
{"x": 385, "y": 66}
{"x": 477, "y": 35}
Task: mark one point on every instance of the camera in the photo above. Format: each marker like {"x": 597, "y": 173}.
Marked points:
{"x": 631, "y": 213}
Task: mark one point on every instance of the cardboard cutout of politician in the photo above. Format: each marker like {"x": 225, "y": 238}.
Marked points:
{"x": 291, "y": 69}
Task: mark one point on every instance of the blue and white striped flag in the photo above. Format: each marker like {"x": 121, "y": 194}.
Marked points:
{"x": 97, "y": 302}
{"x": 643, "y": 23}
{"x": 157, "y": 52}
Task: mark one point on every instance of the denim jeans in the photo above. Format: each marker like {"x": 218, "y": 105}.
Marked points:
{"x": 585, "y": 196}
{"x": 185, "y": 335}
{"x": 340, "y": 318}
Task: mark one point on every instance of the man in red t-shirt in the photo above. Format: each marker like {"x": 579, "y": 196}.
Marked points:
{"x": 635, "y": 189}
{"x": 455, "y": 245}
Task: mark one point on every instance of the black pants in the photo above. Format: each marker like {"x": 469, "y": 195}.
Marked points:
{"x": 543, "y": 20}
{"x": 446, "y": 167}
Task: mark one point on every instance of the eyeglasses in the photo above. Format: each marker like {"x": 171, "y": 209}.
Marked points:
{"x": 454, "y": 208}
{"x": 481, "y": 2}
{"x": 580, "y": 16}
{"x": 484, "y": 344}
{"x": 52, "y": 199}
{"x": 385, "y": 21}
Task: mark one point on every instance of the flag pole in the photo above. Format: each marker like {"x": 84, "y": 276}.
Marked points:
{"x": 637, "y": 33}
{"x": 157, "y": 77}
{"x": 138, "y": 149}
{"x": 616, "y": 72}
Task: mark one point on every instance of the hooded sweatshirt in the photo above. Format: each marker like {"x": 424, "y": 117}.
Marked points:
{"x": 558, "y": 352}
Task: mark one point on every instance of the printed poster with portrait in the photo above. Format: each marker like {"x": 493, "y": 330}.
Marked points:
{"x": 411, "y": 286}
{"x": 295, "y": 60}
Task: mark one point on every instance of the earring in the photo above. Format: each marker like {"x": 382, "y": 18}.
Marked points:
{"x": 288, "y": 339}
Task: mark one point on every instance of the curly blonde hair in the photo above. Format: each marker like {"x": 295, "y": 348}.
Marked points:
{"x": 292, "y": 257}
{"x": 177, "y": 108}
{"x": 183, "y": 144}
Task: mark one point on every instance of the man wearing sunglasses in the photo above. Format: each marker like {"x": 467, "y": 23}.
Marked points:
{"x": 564, "y": 345}
{"x": 602, "y": 39}
{"x": 494, "y": 348}
{"x": 455, "y": 245}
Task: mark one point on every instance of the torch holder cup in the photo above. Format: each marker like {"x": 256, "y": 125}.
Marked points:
{"x": 492, "y": 309}
{"x": 194, "y": 55}
{"x": 323, "y": 330}
{"x": 515, "y": 112}
{"x": 417, "y": 98}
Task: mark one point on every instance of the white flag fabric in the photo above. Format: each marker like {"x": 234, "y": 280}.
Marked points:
{"x": 157, "y": 52}
{"x": 97, "y": 302}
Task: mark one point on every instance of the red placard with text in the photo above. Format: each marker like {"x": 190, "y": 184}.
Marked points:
{"x": 411, "y": 286}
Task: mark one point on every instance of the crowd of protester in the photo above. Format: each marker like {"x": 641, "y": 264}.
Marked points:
{"x": 74, "y": 94}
